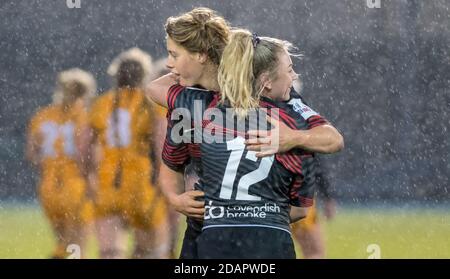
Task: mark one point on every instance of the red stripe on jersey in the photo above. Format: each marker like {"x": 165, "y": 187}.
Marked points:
{"x": 306, "y": 202}
{"x": 293, "y": 192}
{"x": 168, "y": 146}
{"x": 215, "y": 100}
{"x": 291, "y": 162}
{"x": 194, "y": 150}
{"x": 179, "y": 155}
{"x": 295, "y": 162}
{"x": 283, "y": 115}
{"x": 315, "y": 121}
{"x": 172, "y": 94}
{"x": 175, "y": 160}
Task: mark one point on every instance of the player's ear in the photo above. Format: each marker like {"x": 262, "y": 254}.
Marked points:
{"x": 266, "y": 82}
{"x": 202, "y": 57}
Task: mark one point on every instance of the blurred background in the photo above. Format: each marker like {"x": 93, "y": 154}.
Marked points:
{"x": 380, "y": 75}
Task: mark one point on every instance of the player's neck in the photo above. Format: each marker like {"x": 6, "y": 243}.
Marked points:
{"x": 67, "y": 106}
{"x": 209, "y": 78}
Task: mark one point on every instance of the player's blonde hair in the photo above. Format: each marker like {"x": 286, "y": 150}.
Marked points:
{"x": 244, "y": 59}
{"x": 201, "y": 30}
{"x": 132, "y": 67}
{"x": 74, "y": 81}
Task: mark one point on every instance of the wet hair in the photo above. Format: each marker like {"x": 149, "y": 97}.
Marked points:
{"x": 76, "y": 82}
{"x": 244, "y": 60}
{"x": 131, "y": 68}
{"x": 201, "y": 30}
{"x": 130, "y": 74}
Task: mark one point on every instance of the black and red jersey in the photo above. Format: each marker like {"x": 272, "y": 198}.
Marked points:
{"x": 240, "y": 189}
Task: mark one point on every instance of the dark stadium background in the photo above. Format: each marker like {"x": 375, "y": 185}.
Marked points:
{"x": 382, "y": 76}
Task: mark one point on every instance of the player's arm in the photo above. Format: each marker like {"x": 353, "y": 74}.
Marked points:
{"x": 172, "y": 186}
{"x": 158, "y": 89}
{"x": 155, "y": 128}
{"x": 83, "y": 142}
{"x": 32, "y": 148}
{"x": 322, "y": 139}
{"x": 90, "y": 154}
{"x": 175, "y": 157}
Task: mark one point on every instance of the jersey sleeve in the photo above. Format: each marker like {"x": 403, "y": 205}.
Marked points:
{"x": 176, "y": 154}
{"x": 172, "y": 95}
{"x": 303, "y": 187}
{"x": 306, "y": 113}
{"x": 302, "y": 166}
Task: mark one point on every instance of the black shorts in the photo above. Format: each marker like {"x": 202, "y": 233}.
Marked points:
{"x": 245, "y": 243}
{"x": 189, "y": 247}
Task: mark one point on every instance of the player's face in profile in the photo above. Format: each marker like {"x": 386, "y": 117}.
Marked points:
{"x": 281, "y": 85}
{"x": 186, "y": 65}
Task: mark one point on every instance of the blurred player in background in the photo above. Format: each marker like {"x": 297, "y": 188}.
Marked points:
{"x": 122, "y": 121}
{"x": 56, "y": 146}
{"x": 308, "y": 231}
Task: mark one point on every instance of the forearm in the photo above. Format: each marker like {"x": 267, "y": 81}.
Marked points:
{"x": 321, "y": 139}
{"x": 90, "y": 165}
{"x": 32, "y": 152}
{"x": 171, "y": 183}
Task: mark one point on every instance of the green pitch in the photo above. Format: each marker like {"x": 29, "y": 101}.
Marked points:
{"x": 399, "y": 233}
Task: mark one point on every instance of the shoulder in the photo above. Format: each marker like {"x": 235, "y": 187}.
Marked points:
{"x": 183, "y": 97}
{"x": 104, "y": 98}
{"x": 42, "y": 115}
{"x": 102, "y": 102}
{"x": 301, "y": 108}
{"x": 45, "y": 113}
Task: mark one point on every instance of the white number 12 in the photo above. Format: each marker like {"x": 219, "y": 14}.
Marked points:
{"x": 237, "y": 148}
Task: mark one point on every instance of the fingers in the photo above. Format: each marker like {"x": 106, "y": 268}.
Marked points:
{"x": 197, "y": 213}
{"x": 254, "y": 147}
{"x": 196, "y": 193}
{"x": 255, "y": 133}
{"x": 257, "y": 144}
{"x": 191, "y": 201}
{"x": 195, "y": 204}
{"x": 266, "y": 153}
{"x": 260, "y": 140}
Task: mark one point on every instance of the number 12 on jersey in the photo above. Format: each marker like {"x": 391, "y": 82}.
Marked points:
{"x": 237, "y": 148}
